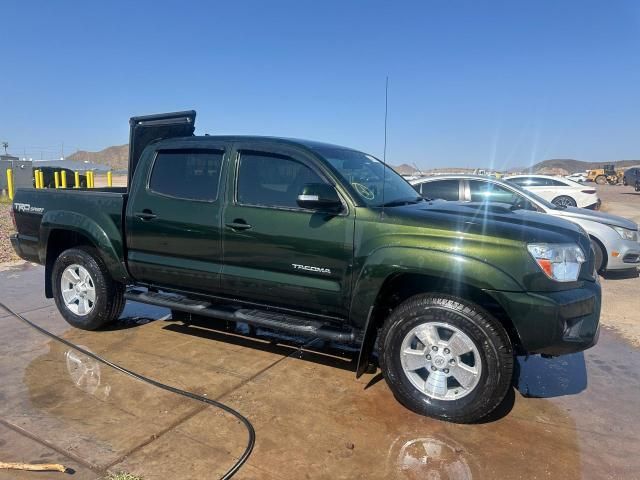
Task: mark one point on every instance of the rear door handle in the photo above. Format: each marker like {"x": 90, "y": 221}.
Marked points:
{"x": 238, "y": 225}
{"x": 145, "y": 215}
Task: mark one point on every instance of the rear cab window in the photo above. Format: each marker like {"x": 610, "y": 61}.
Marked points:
{"x": 190, "y": 174}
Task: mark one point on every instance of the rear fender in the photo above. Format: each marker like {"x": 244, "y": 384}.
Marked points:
{"x": 107, "y": 241}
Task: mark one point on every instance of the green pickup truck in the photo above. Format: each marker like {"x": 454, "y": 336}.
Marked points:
{"x": 325, "y": 241}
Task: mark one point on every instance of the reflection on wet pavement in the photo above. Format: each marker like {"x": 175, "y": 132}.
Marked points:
{"x": 570, "y": 417}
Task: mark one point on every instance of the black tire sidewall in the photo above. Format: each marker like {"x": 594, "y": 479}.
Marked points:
{"x": 492, "y": 386}
{"x": 102, "y": 309}
{"x": 599, "y": 260}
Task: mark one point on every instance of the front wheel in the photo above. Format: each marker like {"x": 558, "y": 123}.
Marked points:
{"x": 446, "y": 358}
{"x": 85, "y": 294}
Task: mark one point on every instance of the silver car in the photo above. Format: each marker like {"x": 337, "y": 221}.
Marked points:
{"x": 614, "y": 239}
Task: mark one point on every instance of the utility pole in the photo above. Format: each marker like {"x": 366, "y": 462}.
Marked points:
{"x": 62, "y": 151}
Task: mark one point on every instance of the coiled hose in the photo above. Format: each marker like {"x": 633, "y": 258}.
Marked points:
{"x": 252, "y": 433}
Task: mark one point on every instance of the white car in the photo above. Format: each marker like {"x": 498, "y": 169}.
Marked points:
{"x": 558, "y": 190}
{"x": 579, "y": 177}
{"x": 615, "y": 240}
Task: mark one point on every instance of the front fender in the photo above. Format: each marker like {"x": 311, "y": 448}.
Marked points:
{"x": 107, "y": 240}
{"x": 387, "y": 261}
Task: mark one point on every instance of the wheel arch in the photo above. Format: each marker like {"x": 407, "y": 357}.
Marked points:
{"x": 399, "y": 287}
{"x": 60, "y": 231}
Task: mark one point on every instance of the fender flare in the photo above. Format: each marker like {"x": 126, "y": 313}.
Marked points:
{"x": 387, "y": 262}
{"x": 108, "y": 243}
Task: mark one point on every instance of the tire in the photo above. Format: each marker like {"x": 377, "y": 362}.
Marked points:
{"x": 564, "y": 201}
{"x": 108, "y": 296}
{"x": 599, "y": 260}
{"x": 493, "y": 366}
{"x": 601, "y": 180}
{"x": 637, "y": 186}
{"x": 624, "y": 181}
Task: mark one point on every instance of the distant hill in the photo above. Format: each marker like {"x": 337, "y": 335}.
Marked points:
{"x": 116, "y": 157}
{"x": 565, "y": 166}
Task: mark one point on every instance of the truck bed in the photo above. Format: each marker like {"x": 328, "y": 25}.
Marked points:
{"x": 38, "y": 211}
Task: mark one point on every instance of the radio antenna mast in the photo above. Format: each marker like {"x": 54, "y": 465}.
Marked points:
{"x": 384, "y": 151}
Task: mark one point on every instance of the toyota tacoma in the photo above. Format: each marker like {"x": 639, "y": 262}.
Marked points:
{"x": 319, "y": 240}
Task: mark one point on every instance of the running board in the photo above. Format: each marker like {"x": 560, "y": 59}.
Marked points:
{"x": 261, "y": 318}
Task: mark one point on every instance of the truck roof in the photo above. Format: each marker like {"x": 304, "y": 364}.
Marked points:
{"x": 311, "y": 144}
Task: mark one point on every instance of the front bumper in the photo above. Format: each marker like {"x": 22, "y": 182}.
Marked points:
{"x": 554, "y": 323}
{"x": 623, "y": 254}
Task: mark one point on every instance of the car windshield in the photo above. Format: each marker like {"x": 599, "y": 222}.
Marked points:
{"x": 366, "y": 174}
{"x": 537, "y": 198}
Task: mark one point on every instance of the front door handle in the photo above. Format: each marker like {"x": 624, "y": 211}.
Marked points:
{"x": 146, "y": 214}
{"x": 238, "y": 225}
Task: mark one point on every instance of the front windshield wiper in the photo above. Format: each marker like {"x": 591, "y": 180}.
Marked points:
{"x": 401, "y": 202}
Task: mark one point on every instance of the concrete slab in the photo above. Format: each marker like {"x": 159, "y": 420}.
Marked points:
{"x": 19, "y": 448}
{"x": 312, "y": 418}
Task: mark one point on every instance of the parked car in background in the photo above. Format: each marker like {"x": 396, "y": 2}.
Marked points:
{"x": 558, "y": 190}
{"x": 631, "y": 177}
{"x": 579, "y": 177}
{"x": 614, "y": 239}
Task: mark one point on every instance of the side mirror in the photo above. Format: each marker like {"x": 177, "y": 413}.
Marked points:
{"x": 319, "y": 196}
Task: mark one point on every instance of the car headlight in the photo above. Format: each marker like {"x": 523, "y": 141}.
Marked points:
{"x": 626, "y": 234}
{"x": 560, "y": 262}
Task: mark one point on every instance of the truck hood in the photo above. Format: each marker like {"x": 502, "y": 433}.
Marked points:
{"x": 600, "y": 217}
{"x": 491, "y": 220}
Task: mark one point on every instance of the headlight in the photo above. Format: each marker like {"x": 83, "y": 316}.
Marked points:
{"x": 627, "y": 234}
{"x": 561, "y": 262}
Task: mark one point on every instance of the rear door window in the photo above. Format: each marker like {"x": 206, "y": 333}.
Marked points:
{"x": 192, "y": 174}
{"x": 441, "y": 189}
{"x": 491, "y": 192}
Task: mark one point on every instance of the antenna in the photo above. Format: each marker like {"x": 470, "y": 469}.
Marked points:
{"x": 384, "y": 151}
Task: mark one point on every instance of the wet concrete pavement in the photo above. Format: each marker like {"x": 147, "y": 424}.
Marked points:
{"x": 570, "y": 417}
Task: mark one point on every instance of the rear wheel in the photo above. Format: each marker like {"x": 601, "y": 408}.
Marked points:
{"x": 601, "y": 180}
{"x": 564, "y": 201}
{"x": 85, "y": 294}
{"x": 446, "y": 358}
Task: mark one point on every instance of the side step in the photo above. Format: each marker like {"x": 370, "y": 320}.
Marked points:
{"x": 262, "y": 318}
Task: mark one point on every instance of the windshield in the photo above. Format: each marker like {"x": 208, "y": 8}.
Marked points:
{"x": 530, "y": 194}
{"x": 365, "y": 174}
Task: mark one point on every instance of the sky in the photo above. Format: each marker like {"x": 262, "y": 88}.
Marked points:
{"x": 475, "y": 83}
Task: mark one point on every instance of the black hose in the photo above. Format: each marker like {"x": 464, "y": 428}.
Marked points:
{"x": 252, "y": 433}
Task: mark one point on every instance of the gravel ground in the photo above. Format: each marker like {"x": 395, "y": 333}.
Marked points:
{"x": 6, "y": 228}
